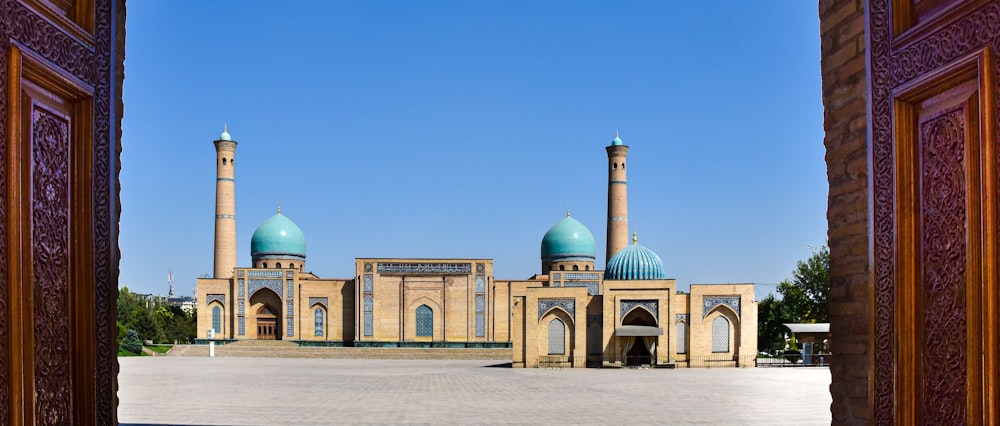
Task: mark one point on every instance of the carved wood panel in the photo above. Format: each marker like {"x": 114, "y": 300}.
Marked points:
{"x": 60, "y": 111}
{"x": 934, "y": 188}
{"x": 943, "y": 304}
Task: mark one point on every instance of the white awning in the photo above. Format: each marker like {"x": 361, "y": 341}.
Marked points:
{"x": 638, "y": 330}
{"x": 821, "y": 327}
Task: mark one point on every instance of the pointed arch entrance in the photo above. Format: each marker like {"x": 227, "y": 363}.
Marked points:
{"x": 637, "y": 337}
{"x": 265, "y": 305}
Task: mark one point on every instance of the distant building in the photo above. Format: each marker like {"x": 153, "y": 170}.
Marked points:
{"x": 569, "y": 315}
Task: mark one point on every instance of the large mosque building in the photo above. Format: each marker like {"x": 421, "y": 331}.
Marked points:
{"x": 568, "y": 315}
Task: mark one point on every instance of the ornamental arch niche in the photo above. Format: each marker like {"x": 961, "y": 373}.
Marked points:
{"x": 638, "y": 350}
{"x": 549, "y": 325}
{"x": 265, "y": 308}
{"x": 713, "y": 322}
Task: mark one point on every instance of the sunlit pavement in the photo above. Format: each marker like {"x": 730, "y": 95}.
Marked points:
{"x": 282, "y": 391}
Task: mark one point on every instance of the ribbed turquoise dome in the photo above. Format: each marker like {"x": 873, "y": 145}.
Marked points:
{"x": 568, "y": 239}
{"x": 634, "y": 262}
{"x": 278, "y": 236}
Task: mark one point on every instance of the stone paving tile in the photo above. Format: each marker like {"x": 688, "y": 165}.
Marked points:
{"x": 283, "y": 391}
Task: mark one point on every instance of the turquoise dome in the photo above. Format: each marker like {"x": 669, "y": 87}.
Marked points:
{"x": 278, "y": 236}
{"x": 634, "y": 262}
{"x": 567, "y": 240}
{"x": 225, "y": 134}
{"x": 617, "y": 140}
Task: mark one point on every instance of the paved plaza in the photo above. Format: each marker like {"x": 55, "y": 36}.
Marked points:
{"x": 281, "y": 391}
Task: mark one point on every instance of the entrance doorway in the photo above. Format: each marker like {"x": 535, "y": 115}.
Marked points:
{"x": 266, "y": 324}
{"x": 638, "y": 336}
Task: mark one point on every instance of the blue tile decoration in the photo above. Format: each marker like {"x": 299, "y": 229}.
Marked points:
{"x": 368, "y": 282}
{"x": 569, "y": 305}
{"x": 480, "y": 268}
{"x": 480, "y": 283}
{"x": 221, "y": 298}
{"x": 581, "y": 276}
{"x": 241, "y": 307}
{"x": 289, "y": 274}
{"x": 263, "y": 273}
{"x": 368, "y": 323}
{"x": 480, "y": 325}
{"x": 320, "y": 300}
{"x": 424, "y": 268}
{"x": 291, "y": 289}
{"x": 710, "y": 302}
{"x": 274, "y": 285}
{"x": 242, "y": 326}
{"x": 239, "y": 273}
{"x": 651, "y": 305}
{"x": 557, "y": 276}
{"x": 291, "y": 327}
{"x": 368, "y": 267}
{"x": 683, "y": 318}
{"x": 240, "y": 289}
{"x": 593, "y": 287}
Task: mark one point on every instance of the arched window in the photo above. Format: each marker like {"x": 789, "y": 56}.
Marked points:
{"x": 277, "y": 265}
{"x": 562, "y": 267}
{"x": 586, "y": 267}
{"x": 217, "y": 319}
{"x": 425, "y": 321}
{"x": 616, "y": 166}
{"x": 318, "y": 320}
{"x": 682, "y": 337}
{"x": 720, "y": 334}
{"x": 263, "y": 265}
{"x": 576, "y": 267}
{"x": 557, "y": 337}
{"x": 223, "y": 161}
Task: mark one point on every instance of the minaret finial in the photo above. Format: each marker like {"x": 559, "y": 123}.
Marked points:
{"x": 635, "y": 236}
{"x": 225, "y": 126}
{"x": 567, "y": 212}
{"x": 616, "y": 133}
{"x": 279, "y": 207}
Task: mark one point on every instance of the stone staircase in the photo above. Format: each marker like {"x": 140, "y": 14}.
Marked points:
{"x": 283, "y": 349}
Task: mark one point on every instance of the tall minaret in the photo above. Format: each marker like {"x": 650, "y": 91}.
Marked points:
{"x": 617, "y": 198}
{"x": 225, "y": 206}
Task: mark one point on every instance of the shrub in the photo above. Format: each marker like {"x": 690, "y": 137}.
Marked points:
{"x": 131, "y": 342}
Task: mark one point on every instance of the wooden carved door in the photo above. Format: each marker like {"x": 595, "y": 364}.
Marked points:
{"x": 934, "y": 182}
{"x": 60, "y": 109}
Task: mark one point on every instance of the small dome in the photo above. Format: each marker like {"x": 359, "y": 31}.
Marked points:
{"x": 568, "y": 239}
{"x": 634, "y": 262}
{"x": 225, "y": 134}
{"x": 278, "y": 236}
{"x": 617, "y": 140}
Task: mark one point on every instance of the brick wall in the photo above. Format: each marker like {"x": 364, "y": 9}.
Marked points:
{"x": 844, "y": 88}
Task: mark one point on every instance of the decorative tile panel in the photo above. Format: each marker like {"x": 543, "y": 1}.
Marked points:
{"x": 291, "y": 288}
{"x": 240, "y": 289}
{"x": 683, "y": 318}
{"x": 650, "y": 305}
{"x": 368, "y": 324}
{"x": 291, "y": 327}
{"x": 593, "y": 287}
{"x": 480, "y": 283}
{"x": 239, "y": 273}
{"x": 221, "y": 298}
{"x": 710, "y": 302}
{"x": 241, "y": 326}
{"x": 368, "y": 282}
{"x": 581, "y": 277}
{"x": 569, "y": 305}
{"x": 241, "y": 307}
{"x": 264, "y": 273}
{"x": 320, "y": 300}
{"x": 480, "y": 267}
{"x": 557, "y": 276}
{"x": 255, "y": 284}
{"x": 289, "y": 274}
{"x": 425, "y": 268}
{"x": 368, "y": 267}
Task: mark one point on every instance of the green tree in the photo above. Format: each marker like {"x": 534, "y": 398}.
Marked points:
{"x": 803, "y": 300}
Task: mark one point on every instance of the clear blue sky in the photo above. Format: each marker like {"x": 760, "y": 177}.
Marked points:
{"x": 467, "y": 128}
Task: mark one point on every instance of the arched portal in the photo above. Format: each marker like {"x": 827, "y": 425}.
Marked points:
{"x": 265, "y": 305}
{"x": 638, "y": 349}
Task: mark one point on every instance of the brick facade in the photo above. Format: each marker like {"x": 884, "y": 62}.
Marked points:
{"x": 842, "y": 26}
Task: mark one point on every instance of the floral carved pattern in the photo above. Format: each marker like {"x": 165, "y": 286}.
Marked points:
{"x": 50, "y": 258}
{"x": 887, "y": 70}
{"x": 943, "y": 197}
